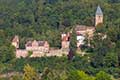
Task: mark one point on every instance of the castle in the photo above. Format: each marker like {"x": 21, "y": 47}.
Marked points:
{"x": 41, "y": 48}
{"x": 82, "y": 31}
{"x": 35, "y": 47}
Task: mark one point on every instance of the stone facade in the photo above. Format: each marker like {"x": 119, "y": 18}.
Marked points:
{"x": 99, "y": 16}
{"x": 21, "y": 53}
{"x": 85, "y": 30}
{"x": 82, "y": 32}
{"x": 15, "y": 42}
{"x": 65, "y": 40}
{"x": 38, "y": 48}
{"x": 41, "y": 46}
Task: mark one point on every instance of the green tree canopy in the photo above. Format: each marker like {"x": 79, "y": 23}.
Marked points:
{"x": 103, "y": 76}
{"x": 30, "y": 73}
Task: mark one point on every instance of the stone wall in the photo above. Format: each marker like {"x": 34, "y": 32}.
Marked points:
{"x": 25, "y": 53}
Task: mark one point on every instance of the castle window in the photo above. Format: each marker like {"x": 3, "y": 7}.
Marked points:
{"x": 99, "y": 17}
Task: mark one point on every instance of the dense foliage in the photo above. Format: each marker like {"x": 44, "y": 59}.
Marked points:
{"x": 46, "y": 20}
{"x": 60, "y": 69}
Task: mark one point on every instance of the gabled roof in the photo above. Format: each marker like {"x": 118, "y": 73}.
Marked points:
{"x": 40, "y": 43}
{"x": 99, "y": 11}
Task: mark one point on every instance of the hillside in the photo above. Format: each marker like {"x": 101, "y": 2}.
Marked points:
{"x": 46, "y": 20}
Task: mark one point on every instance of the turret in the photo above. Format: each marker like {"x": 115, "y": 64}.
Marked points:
{"x": 15, "y": 42}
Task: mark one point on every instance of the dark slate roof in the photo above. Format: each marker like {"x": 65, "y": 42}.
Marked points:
{"x": 41, "y": 43}
{"x": 99, "y": 11}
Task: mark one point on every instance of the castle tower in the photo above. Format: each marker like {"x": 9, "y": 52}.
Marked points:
{"x": 15, "y": 42}
{"x": 98, "y": 16}
{"x": 65, "y": 40}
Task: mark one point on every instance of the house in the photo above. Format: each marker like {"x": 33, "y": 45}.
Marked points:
{"x": 80, "y": 40}
{"x": 84, "y": 31}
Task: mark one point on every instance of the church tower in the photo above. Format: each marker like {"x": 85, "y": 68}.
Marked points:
{"x": 98, "y": 16}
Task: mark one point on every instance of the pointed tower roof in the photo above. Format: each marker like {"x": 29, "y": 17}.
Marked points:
{"x": 99, "y": 11}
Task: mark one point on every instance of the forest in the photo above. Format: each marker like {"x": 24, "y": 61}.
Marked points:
{"x": 46, "y": 20}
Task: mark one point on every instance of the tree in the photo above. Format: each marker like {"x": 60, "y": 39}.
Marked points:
{"x": 70, "y": 54}
{"x": 79, "y": 75}
{"x": 7, "y": 53}
{"x": 15, "y": 77}
{"x": 73, "y": 41}
{"x": 53, "y": 74}
{"x": 30, "y": 73}
{"x": 100, "y": 28}
{"x": 111, "y": 59}
{"x": 101, "y": 46}
{"x": 118, "y": 50}
{"x": 103, "y": 76}
{"x": 114, "y": 34}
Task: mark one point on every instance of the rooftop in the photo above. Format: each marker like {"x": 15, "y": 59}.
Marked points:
{"x": 83, "y": 27}
{"x": 99, "y": 11}
{"x": 40, "y": 43}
